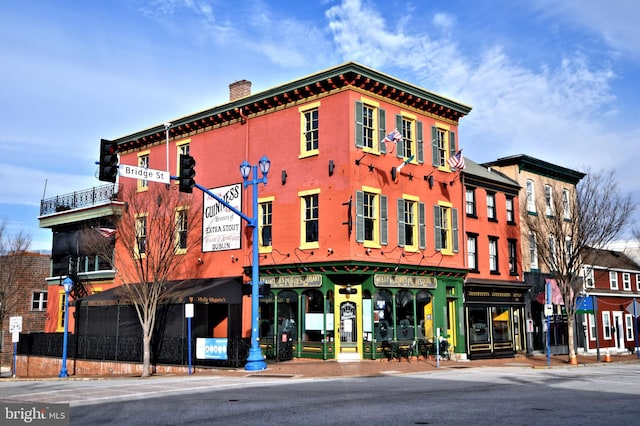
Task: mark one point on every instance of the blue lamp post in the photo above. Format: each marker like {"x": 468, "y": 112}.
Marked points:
{"x": 68, "y": 285}
{"x": 255, "y": 361}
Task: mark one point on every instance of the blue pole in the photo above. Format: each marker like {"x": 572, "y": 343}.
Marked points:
{"x": 189, "y": 332}
{"x": 255, "y": 361}
{"x": 548, "y": 289}
{"x": 635, "y": 323}
{"x": 63, "y": 371}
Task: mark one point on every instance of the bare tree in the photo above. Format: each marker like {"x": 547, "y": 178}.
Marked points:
{"x": 155, "y": 236}
{"x": 13, "y": 250}
{"x": 567, "y": 224}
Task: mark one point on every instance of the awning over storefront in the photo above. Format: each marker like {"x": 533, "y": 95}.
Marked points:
{"x": 200, "y": 291}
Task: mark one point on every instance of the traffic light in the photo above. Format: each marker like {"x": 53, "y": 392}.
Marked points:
{"x": 187, "y": 173}
{"x": 108, "y": 161}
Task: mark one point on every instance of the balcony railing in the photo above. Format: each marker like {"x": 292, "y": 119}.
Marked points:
{"x": 79, "y": 199}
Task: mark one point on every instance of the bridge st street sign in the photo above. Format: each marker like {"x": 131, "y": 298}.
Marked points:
{"x": 145, "y": 174}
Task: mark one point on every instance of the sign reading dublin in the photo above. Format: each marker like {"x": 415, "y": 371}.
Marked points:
{"x": 221, "y": 226}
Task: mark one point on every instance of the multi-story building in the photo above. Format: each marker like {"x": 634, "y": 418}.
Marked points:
{"x": 540, "y": 181}
{"x": 612, "y": 280}
{"x": 68, "y": 216}
{"x": 26, "y": 296}
{"x": 494, "y": 287}
{"x": 359, "y": 226}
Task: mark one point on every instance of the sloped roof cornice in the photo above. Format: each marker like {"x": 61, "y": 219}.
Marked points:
{"x": 350, "y": 74}
{"x": 541, "y": 167}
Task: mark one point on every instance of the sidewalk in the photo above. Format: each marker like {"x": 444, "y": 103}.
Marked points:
{"x": 317, "y": 368}
{"x": 310, "y": 368}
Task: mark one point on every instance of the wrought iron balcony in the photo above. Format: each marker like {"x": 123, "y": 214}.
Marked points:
{"x": 80, "y": 199}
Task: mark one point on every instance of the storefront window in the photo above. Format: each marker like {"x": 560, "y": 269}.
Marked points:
{"x": 329, "y": 318}
{"x": 479, "y": 325}
{"x": 424, "y": 311}
{"x": 501, "y": 324}
{"x": 267, "y": 317}
{"x": 383, "y": 315}
{"x": 404, "y": 315}
{"x": 288, "y": 314}
{"x": 313, "y": 311}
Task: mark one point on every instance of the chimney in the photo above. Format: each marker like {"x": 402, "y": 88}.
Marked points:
{"x": 239, "y": 89}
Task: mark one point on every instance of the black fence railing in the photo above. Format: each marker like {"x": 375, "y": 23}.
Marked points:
{"x": 170, "y": 351}
{"x": 75, "y": 200}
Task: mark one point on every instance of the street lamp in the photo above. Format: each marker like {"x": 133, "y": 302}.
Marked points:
{"x": 255, "y": 361}
{"x": 68, "y": 285}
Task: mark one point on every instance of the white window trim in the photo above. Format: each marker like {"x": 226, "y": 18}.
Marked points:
{"x": 606, "y": 325}
{"x": 613, "y": 280}
{"x": 626, "y": 281}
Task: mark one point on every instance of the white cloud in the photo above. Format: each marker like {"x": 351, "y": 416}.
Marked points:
{"x": 616, "y": 21}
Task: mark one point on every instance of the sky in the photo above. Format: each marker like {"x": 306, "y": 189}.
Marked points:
{"x": 556, "y": 80}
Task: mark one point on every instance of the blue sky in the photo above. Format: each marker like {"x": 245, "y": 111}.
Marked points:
{"x": 559, "y": 81}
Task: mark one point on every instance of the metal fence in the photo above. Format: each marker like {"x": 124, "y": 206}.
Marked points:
{"x": 171, "y": 351}
{"x": 75, "y": 200}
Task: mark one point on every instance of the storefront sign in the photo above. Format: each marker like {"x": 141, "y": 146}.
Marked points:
{"x": 404, "y": 281}
{"x": 211, "y": 348}
{"x": 290, "y": 281}
{"x": 494, "y": 296}
{"x": 220, "y": 226}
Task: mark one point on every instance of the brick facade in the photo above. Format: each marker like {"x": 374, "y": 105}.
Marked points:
{"x": 29, "y": 277}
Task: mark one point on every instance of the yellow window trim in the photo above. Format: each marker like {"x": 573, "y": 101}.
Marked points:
{"x": 137, "y": 255}
{"x": 304, "y": 153}
{"x": 376, "y": 126}
{"x": 305, "y": 245}
{"x": 180, "y": 144}
{"x": 409, "y": 115}
{"x": 413, "y": 247}
{"x": 369, "y": 102}
{"x": 446, "y": 167}
{"x": 308, "y": 192}
{"x": 371, "y": 189}
{"x": 178, "y": 210}
{"x": 376, "y": 237}
{"x": 141, "y": 188}
{"x": 307, "y": 107}
{"x": 449, "y": 250}
{"x": 261, "y": 248}
{"x": 60, "y": 325}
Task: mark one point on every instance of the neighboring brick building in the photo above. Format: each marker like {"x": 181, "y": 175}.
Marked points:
{"x": 494, "y": 288}
{"x": 613, "y": 280}
{"x": 26, "y": 296}
{"x": 540, "y": 180}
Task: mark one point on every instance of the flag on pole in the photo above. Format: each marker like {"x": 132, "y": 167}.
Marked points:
{"x": 394, "y": 136}
{"x": 457, "y": 160}
{"x": 106, "y": 232}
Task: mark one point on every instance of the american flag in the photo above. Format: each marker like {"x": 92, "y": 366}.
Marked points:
{"x": 106, "y": 232}
{"x": 394, "y": 136}
{"x": 457, "y": 160}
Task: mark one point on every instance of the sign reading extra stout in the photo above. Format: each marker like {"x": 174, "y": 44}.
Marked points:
{"x": 220, "y": 226}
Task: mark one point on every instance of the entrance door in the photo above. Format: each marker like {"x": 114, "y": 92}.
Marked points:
{"x": 618, "y": 330}
{"x": 349, "y": 325}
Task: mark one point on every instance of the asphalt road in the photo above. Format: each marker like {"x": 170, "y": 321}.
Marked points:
{"x": 603, "y": 394}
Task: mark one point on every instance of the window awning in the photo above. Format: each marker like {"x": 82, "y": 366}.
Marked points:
{"x": 226, "y": 290}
